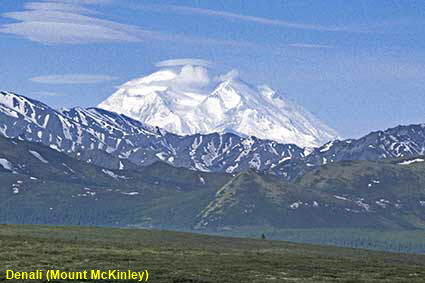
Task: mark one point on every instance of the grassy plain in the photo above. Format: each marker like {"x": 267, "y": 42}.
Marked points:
{"x": 184, "y": 257}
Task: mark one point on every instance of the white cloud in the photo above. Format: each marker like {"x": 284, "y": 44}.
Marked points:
{"x": 72, "y": 22}
{"x": 245, "y": 18}
{"x": 75, "y": 33}
{"x": 57, "y": 6}
{"x": 55, "y": 22}
{"x": 232, "y": 74}
{"x": 58, "y": 22}
{"x": 72, "y": 79}
{"x": 184, "y": 61}
{"x": 192, "y": 76}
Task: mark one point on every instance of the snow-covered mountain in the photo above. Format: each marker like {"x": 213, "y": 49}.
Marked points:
{"x": 400, "y": 141}
{"x": 187, "y": 99}
{"x": 115, "y": 141}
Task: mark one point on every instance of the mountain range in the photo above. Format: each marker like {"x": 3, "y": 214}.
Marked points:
{"x": 92, "y": 166}
{"x": 40, "y": 185}
{"x": 115, "y": 141}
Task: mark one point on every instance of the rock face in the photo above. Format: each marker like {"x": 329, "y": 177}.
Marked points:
{"x": 187, "y": 100}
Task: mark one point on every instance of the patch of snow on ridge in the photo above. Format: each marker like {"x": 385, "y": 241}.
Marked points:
{"x": 382, "y": 203}
{"x": 295, "y": 205}
{"x": 188, "y": 99}
{"x": 326, "y": 147}
{"x": 113, "y": 175}
{"x": 341, "y": 198}
{"x": 408, "y": 162}
{"x": 38, "y": 156}
{"x": 6, "y": 164}
{"x": 130, "y": 193}
{"x": 110, "y": 174}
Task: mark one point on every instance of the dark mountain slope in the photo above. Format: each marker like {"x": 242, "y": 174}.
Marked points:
{"x": 372, "y": 194}
{"x": 41, "y": 185}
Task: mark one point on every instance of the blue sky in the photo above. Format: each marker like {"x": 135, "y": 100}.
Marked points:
{"x": 357, "y": 65}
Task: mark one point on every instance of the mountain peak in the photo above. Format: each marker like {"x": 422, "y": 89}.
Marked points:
{"x": 188, "y": 99}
